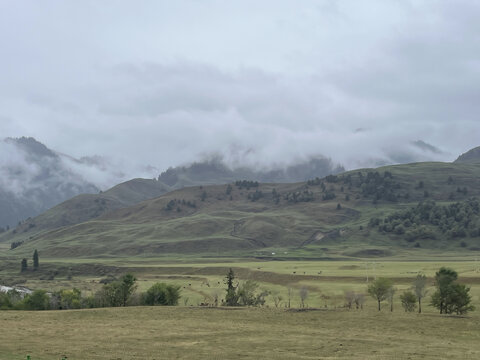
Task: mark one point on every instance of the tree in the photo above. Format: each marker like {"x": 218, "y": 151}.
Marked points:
{"x": 231, "y": 299}
{"x": 38, "y": 300}
{"x": 409, "y": 301}
{"x": 451, "y": 297}
{"x": 35, "y": 260}
{"x": 109, "y": 295}
{"x": 359, "y": 300}
{"x": 247, "y": 295}
{"x": 162, "y": 294}
{"x": 444, "y": 278}
{"x": 277, "y": 299}
{"x": 24, "y": 265}
{"x": 290, "y": 293}
{"x": 349, "y": 298}
{"x": 117, "y": 293}
{"x": 379, "y": 290}
{"x": 459, "y": 300}
{"x": 391, "y": 293}
{"x": 68, "y": 299}
{"x": 127, "y": 287}
{"x": 303, "y": 295}
{"x": 419, "y": 288}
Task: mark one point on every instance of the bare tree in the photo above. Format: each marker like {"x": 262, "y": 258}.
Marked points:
{"x": 290, "y": 292}
{"x": 277, "y": 299}
{"x": 419, "y": 287}
{"x": 303, "y": 296}
{"x": 353, "y": 298}
{"x": 359, "y": 300}
{"x": 349, "y": 298}
{"x": 391, "y": 293}
{"x": 325, "y": 298}
{"x": 216, "y": 296}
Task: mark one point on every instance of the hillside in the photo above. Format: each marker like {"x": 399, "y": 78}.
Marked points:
{"x": 471, "y": 156}
{"x": 86, "y": 207}
{"x": 248, "y": 218}
{"x": 34, "y": 178}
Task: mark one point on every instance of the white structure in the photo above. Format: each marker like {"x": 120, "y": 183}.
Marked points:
{"x": 21, "y": 289}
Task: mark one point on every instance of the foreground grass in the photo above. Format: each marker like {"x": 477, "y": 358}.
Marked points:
{"x": 219, "y": 333}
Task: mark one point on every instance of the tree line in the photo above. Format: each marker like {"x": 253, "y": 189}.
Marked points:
{"x": 428, "y": 220}
{"x": 449, "y": 297}
{"x": 116, "y": 293}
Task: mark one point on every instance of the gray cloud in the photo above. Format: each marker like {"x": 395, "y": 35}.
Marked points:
{"x": 262, "y": 83}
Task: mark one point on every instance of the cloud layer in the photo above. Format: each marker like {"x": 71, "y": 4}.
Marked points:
{"x": 262, "y": 83}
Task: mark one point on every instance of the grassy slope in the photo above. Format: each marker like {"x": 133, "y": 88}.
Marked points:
{"x": 86, "y": 207}
{"x": 238, "y": 226}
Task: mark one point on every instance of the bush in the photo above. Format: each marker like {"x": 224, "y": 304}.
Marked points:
{"x": 247, "y": 295}
{"x": 162, "y": 294}
{"x": 409, "y": 301}
{"x": 38, "y": 300}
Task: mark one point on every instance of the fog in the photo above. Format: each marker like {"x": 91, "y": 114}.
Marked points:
{"x": 162, "y": 83}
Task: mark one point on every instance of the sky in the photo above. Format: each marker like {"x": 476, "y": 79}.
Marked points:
{"x": 262, "y": 83}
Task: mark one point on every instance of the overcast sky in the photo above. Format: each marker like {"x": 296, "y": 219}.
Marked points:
{"x": 167, "y": 82}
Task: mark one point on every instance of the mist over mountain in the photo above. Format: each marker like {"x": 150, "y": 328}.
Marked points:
{"x": 216, "y": 171}
{"x": 34, "y": 178}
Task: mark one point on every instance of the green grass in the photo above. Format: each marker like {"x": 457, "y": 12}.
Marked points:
{"x": 327, "y": 281}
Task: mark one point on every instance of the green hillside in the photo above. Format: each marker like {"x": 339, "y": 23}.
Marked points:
{"x": 471, "y": 156}
{"x": 327, "y": 217}
{"x": 86, "y": 207}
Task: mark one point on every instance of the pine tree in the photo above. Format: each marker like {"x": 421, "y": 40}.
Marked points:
{"x": 35, "y": 260}
{"x": 24, "y": 265}
{"x": 231, "y": 299}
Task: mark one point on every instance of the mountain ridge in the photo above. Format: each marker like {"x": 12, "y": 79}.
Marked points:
{"x": 247, "y": 217}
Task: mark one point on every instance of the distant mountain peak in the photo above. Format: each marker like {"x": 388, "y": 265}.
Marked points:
{"x": 32, "y": 146}
{"x": 471, "y": 156}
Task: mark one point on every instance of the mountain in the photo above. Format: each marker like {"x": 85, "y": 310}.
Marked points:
{"x": 86, "y": 207}
{"x": 358, "y": 213}
{"x": 215, "y": 171}
{"x": 471, "y": 156}
{"x": 34, "y": 178}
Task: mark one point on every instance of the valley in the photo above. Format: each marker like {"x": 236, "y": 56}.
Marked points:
{"x": 305, "y": 245}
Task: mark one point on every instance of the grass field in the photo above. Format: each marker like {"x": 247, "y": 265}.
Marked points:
{"x": 219, "y": 333}
{"x": 201, "y": 281}
{"x": 189, "y": 331}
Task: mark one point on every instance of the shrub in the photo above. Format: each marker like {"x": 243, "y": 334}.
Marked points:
{"x": 409, "y": 301}
{"x": 162, "y": 294}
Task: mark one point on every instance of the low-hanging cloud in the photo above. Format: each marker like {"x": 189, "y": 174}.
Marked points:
{"x": 402, "y": 73}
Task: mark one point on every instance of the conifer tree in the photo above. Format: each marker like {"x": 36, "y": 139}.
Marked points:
{"x": 24, "y": 265}
{"x": 35, "y": 260}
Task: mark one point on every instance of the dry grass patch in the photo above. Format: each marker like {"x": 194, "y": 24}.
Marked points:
{"x": 199, "y": 333}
